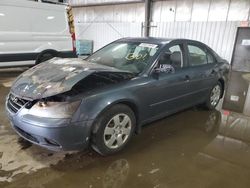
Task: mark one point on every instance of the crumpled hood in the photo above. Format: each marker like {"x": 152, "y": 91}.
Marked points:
{"x": 54, "y": 76}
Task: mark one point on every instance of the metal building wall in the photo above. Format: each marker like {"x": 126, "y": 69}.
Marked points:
{"x": 218, "y": 35}
{"x": 200, "y": 10}
{"x": 103, "y": 33}
{"x": 164, "y": 11}
{"x": 213, "y": 22}
{"x": 111, "y": 13}
{"x": 79, "y": 2}
{"x": 104, "y": 24}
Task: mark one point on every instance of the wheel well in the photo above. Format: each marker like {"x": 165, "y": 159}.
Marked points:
{"x": 49, "y": 51}
{"x": 222, "y": 82}
{"x": 132, "y": 106}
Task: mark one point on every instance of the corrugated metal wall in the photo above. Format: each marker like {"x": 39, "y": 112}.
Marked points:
{"x": 201, "y": 10}
{"x": 219, "y": 36}
{"x": 104, "y": 24}
{"x": 104, "y": 33}
{"x": 165, "y": 11}
{"x": 78, "y": 2}
{"x": 213, "y": 22}
{"x": 112, "y": 13}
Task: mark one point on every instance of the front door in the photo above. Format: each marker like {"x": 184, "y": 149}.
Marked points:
{"x": 170, "y": 86}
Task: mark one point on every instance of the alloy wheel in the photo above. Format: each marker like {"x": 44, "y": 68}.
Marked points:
{"x": 215, "y": 95}
{"x": 117, "y": 131}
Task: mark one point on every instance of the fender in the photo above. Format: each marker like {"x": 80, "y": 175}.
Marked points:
{"x": 93, "y": 106}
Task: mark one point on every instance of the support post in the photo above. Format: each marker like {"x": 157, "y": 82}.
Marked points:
{"x": 147, "y": 18}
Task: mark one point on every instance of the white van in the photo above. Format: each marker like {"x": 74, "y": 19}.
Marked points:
{"x": 32, "y": 32}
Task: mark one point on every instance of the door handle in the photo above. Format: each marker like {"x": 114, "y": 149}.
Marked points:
{"x": 213, "y": 72}
{"x": 187, "y": 78}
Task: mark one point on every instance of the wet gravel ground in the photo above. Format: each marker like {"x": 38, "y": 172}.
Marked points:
{"x": 193, "y": 148}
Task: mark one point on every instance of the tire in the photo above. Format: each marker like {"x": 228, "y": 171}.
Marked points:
{"x": 112, "y": 135}
{"x": 214, "y": 96}
{"x": 45, "y": 57}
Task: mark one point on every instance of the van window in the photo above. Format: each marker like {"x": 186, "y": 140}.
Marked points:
{"x": 14, "y": 19}
{"x": 46, "y": 21}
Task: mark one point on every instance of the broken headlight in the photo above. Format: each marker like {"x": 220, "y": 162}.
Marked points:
{"x": 54, "y": 109}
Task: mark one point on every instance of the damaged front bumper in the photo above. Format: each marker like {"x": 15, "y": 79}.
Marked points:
{"x": 51, "y": 133}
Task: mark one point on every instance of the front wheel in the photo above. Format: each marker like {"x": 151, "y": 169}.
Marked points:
{"x": 214, "y": 96}
{"x": 115, "y": 127}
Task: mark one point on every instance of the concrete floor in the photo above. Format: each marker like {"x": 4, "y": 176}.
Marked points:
{"x": 194, "y": 148}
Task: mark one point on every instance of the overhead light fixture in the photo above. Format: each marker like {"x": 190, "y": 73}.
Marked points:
{"x": 245, "y": 42}
{"x": 50, "y": 17}
{"x": 2, "y": 14}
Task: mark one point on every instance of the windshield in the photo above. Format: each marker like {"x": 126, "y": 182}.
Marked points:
{"x": 129, "y": 56}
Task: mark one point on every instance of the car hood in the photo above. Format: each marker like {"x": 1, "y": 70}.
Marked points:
{"x": 54, "y": 77}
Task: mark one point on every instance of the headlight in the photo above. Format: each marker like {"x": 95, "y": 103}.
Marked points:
{"x": 54, "y": 109}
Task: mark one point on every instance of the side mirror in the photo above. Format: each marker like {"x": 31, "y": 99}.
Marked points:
{"x": 156, "y": 73}
{"x": 158, "y": 70}
{"x": 164, "y": 68}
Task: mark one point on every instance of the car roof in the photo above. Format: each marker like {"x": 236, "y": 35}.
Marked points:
{"x": 154, "y": 40}
{"x": 146, "y": 40}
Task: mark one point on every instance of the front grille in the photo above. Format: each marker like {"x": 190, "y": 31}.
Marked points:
{"x": 15, "y": 103}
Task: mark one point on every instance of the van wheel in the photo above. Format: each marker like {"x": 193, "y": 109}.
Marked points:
{"x": 115, "y": 128}
{"x": 45, "y": 57}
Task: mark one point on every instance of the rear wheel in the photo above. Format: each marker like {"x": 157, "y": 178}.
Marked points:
{"x": 115, "y": 128}
{"x": 214, "y": 96}
{"x": 45, "y": 57}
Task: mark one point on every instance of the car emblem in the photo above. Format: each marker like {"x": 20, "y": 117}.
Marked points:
{"x": 15, "y": 99}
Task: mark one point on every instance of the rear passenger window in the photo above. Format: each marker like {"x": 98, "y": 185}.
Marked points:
{"x": 210, "y": 58}
{"x": 197, "y": 56}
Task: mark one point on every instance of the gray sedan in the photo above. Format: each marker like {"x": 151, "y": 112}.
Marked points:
{"x": 71, "y": 104}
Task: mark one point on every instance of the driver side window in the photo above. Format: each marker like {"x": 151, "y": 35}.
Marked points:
{"x": 171, "y": 59}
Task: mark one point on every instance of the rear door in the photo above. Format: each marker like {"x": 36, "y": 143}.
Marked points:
{"x": 203, "y": 71}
